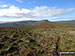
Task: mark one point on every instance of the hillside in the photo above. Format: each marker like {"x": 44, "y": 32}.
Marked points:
{"x": 37, "y": 40}
{"x": 35, "y": 23}
{"x": 41, "y": 22}
{"x": 17, "y": 24}
{"x": 72, "y": 22}
{"x": 24, "y": 23}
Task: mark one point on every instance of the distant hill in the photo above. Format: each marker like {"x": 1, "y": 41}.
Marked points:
{"x": 17, "y": 24}
{"x": 41, "y": 22}
{"x": 24, "y": 23}
{"x": 36, "y": 23}
{"x": 68, "y": 22}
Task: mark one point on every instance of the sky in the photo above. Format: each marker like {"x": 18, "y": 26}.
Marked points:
{"x": 22, "y": 10}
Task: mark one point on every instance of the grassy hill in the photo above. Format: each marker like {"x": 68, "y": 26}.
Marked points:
{"x": 38, "y": 39}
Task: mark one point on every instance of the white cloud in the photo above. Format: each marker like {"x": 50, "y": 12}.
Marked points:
{"x": 52, "y": 11}
{"x": 62, "y": 18}
{"x": 13, "y": 20}
{"x": 26, "y": 14}
{"x": 19, "y": 0}
{"x": 15, "y": 12}
{"x": 4, "y": 5}
{"x": 12, "y": 11}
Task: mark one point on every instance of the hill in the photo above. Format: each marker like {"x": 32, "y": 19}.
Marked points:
{"x": 41, "y": 38}
{"x": 37, "y": 40}
{"x": 17, "y": 24}
{"x": 72, "y": 22}
{"x": 35, "y": 23}
{"x": 24, "y": 23}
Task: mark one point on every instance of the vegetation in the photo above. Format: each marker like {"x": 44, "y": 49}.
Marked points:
{"x": 41, "y": 40}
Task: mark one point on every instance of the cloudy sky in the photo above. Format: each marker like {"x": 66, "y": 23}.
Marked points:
{"x": 53, "y": 10}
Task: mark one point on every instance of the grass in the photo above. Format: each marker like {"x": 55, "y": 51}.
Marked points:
{"x": 38, "y": 40}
